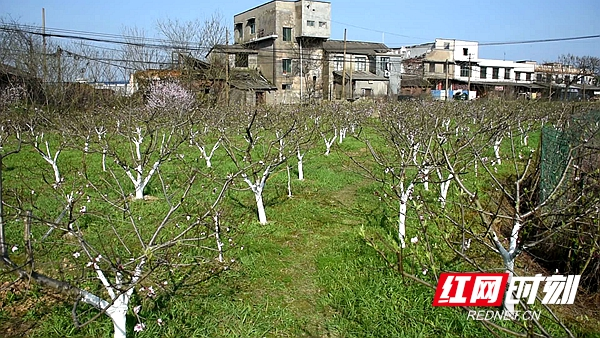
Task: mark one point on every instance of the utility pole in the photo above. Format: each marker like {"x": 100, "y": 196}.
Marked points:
{"x": 344, "y": 69}
{"x": 227, "y": 69}
{"x": 44, "y": 64}
{"x": 301, "y": 75}
{"x": 469, "y": 82}
{"x": 447, "y": 70}
{"x": 350, "y": 83}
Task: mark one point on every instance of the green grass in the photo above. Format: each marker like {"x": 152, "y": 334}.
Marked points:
{"x": 307, "y": 273}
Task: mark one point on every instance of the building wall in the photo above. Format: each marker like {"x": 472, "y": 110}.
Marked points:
{"x": 270, "y": 20}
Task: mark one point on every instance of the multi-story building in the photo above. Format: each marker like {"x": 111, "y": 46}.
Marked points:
{"x": 566, "y": 82}
{"x": 366, "y": 68}
{"x": 288, "y": 37}
{"x": 454, "y": 65}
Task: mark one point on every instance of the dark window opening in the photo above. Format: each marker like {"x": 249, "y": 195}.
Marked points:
{"x": 286, "y": 65}
{"x": 252, "y": 25}
{"x": 287, "y": 34}
{"x": 241, "y": 60}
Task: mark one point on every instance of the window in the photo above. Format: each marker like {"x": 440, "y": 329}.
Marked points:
{"x": 385, "y": 63}
{"x": 446, "y": 45}
{"x": 252, "y": 25}
{"x": 506, "y": 73}
{"x": 338, "y": 63}
{"x": 241, "y": 60}
{"x": 518, "y": 76}
{"x": 483, "y": 72}
{"x": 432, "y": 67}
{"x": 465, "y": 71}
{"x": 287, "y": 34}
{"x": 527, "y": 76}
{"x": 495, "y": 73}
{"x": 538, "y": 77}
{"x": 465, "y": 51}
{"x": 567, "y": 78}
{"x": 286, "y": 65}
{"x": 322, "y": 24}
{"x": 361, "y": 63}
{"x": 310, "y": 23}
{"x": 239, "y": 30}
{"x": 445, "y": 68}
{"x": 286, "y": 86}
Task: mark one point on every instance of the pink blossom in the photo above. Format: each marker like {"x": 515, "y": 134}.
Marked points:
{"x": 139, "y": 327}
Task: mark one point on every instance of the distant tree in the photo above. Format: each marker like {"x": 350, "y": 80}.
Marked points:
{"x": 195, "y": 37}
{"x": 578, "y": 67}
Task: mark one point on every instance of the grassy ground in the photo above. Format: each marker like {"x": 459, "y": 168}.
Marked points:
{"x": 308, "y": 273}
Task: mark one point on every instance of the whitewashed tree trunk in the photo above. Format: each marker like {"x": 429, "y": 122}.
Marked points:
{"x": 289, "y": 181}
{"x": 120, "y": 297}
{"x": 444, "y": 187}
{"x": 425, "y": 177}
{"x": 342, "y": 134}
{"x": 257, "y": 188}
{"x": 404, "y": 197}
{"x": 497, "y": 143}
{"x": 52, "y": 160}
{"x": 104, "y": 159}
{"x": 218, "y": 237}
{"x": 139, "y": 181}
{"x": 208, "y": 157}
{"x": 101, "y": 132}
{"x": 329, "y": 142}
{"x": 300, "y": 165}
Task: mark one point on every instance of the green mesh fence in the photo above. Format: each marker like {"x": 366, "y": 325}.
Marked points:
{"x": 554, "y": 159}
{"x": 556, "y": 145}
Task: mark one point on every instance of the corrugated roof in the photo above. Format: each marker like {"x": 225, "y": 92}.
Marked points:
{"x": 249, "y": 80}
{"x": 355, "y": 47}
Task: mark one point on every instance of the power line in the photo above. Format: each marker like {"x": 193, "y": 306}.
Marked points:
{"x": 539, "y": 40}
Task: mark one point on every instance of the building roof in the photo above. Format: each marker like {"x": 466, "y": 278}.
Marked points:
{"x": 249, "y": 79}
{"x": 414, "y": 81}
{"x": 355, "y": 47}
{"x": 267, "y": 3}
{"x": 232, "y": 49}
{"x": 361, "y": 76}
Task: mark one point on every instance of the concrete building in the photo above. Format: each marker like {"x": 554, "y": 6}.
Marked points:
{"x": 566, "y": 82}
{"x": 453, "y": 66}
{"x": 360, "y": 68}
{"x": 288, "y": 37}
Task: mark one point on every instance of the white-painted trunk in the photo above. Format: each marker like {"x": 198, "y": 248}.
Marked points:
{"x": 56, "y": 172}
{"x": 118, "y": 314}
{"x": 140, "y": 182}
{"x": 510, "y": 265}
{"x": 300, "y": 166}
{"x": 262, "y": 216}
{"x": 342, "y": 134}
{"x": 218, "y": 238}
{"x": 103, "y": 159}
{"x": 425, "y": 177}
{"x": 289, "y": 181}
{"x": 257, "y": 189}
{"x": 329, "y": 143}
{"x": 402, "y": 214}
{"x": 497, "y": 150}
{"x": 444, "y": 186}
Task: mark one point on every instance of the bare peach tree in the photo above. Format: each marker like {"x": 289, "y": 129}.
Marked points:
{"x": 107, "y": 244}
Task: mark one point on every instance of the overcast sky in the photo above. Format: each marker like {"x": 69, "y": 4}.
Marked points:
{"x": 396, "y": 23}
